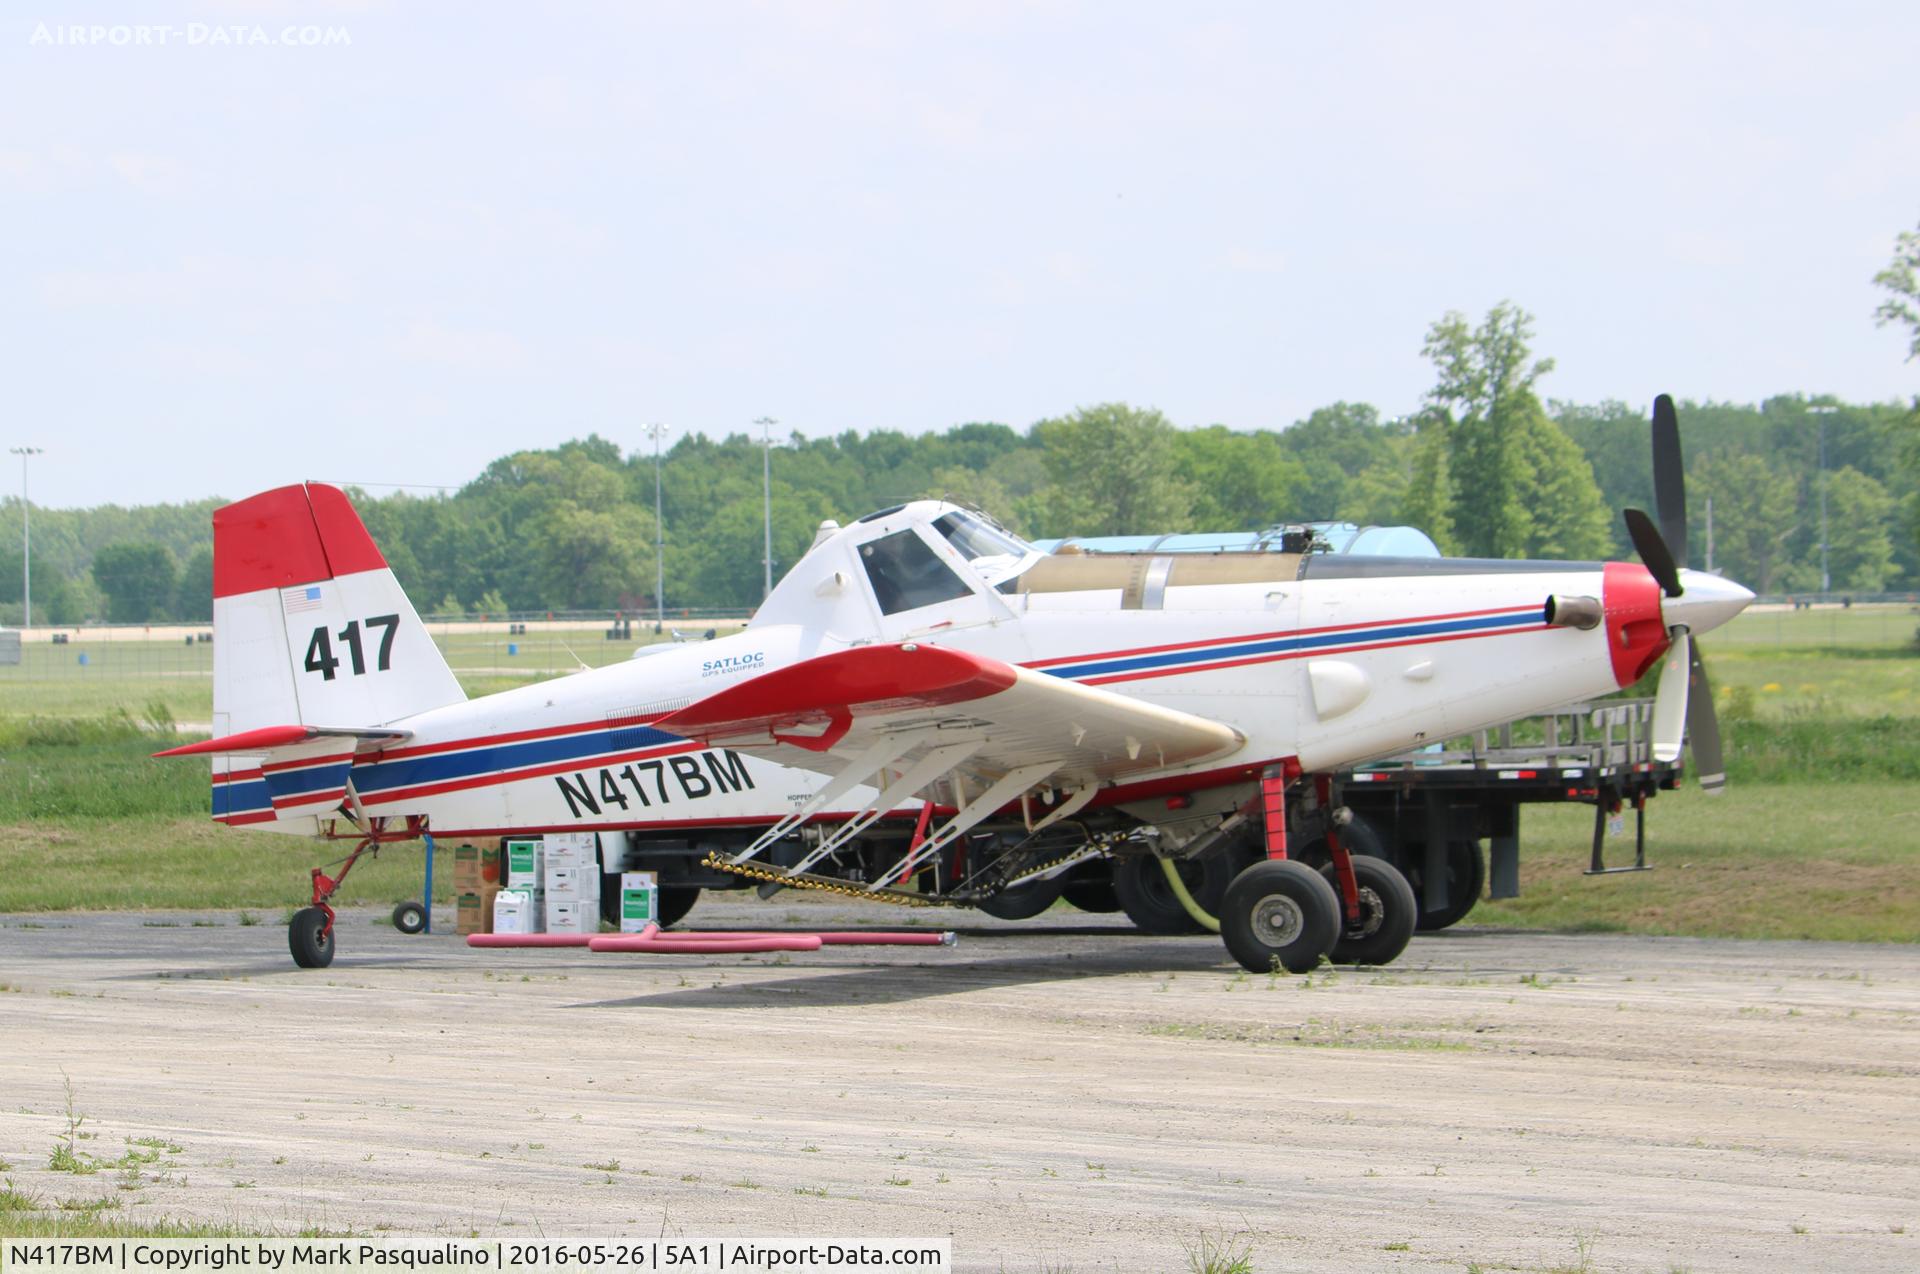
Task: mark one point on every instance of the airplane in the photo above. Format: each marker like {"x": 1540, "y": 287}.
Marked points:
{"x": 928, "y": 709}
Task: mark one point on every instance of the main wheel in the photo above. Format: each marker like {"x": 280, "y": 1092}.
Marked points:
{"x": 1279, "y": 913}
{"x": 1387, "y": 910}
{"x": 1466, "y": 881}
{"x": 309, "y": 938}
{"x": 410, "y": 917}
{"x": 1140, "y": 884}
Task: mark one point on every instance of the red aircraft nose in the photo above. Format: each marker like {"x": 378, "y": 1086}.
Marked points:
{"x": 1636, "y": 631}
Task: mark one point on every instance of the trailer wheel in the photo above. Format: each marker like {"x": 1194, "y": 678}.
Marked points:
{"x": 410, "y": 917}
{"x": 1279, "y": 913}
{"x": 1023, "y": 902}
{"x": 1387, "y": 912}
{"x": 675, "y": 902}
{"x": 1466, "y": 881}
{"x": 310, "y": 939}
{"x": 1096, "y": 896}
{"x": 1141, "y": 887}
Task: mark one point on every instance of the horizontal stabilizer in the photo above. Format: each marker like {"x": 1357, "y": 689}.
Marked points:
{"x": 267, "y": 738}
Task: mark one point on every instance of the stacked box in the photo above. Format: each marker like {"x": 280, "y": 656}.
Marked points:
{"x": 519, "y": 911}
{"x": 525, "y": 863}
{"x": 639, "y": 900}
{"x": 475, "y": 867}
{"x": 572, "y": 915}
{"x": 475, "y": 909}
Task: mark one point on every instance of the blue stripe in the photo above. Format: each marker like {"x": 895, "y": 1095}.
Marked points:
{"x": 383, "y": 776}
{"x": 319, "y": 778}
{"x": 241, "y": 798}
{"x": 1285, "y": 645}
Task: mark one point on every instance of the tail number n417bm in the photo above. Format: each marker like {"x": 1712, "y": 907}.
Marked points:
{"x": 320, "y": 656}
{"x": 644, "y": 783}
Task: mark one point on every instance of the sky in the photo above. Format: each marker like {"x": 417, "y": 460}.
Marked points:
{"x": 245, "y": 244}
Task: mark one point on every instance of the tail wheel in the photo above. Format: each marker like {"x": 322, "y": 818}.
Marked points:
{"x": 310, "y": 938}
{"x": 1279, "y": 913}
{"x": 1141, "y": 887}
{"x": 410, "y": 917}
{"x": 1466, "y": 881}
{"x": 1387, "y": 911}
{"x": 1024, "y": 901}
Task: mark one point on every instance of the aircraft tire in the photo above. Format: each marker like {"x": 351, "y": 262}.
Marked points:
{"x": 309, "y": 939}
{"x": 1023, "y": 902}
{"x": 1140, "y": 886}
{"x": 1279, "y": 913}
{"x": 1387, "y": 911}
{"x": 410, "y": 917}
{"x": 1466, "y": 881}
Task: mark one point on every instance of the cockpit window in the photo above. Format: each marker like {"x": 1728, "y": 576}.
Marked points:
{"x": 906, "y": 574}
{"x": 976, "y": 539}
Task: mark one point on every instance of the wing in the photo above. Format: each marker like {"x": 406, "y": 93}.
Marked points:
{"x": 825, "y": 713}
{"x": 911, "y": 715}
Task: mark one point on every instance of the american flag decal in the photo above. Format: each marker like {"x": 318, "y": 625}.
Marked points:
{"x": 299, "y": 599}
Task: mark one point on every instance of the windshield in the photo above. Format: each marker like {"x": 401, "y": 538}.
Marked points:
{"x": 998, "y": 555}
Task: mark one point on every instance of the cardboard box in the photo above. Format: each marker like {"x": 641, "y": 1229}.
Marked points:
{"x": 525, "y": 863}
{"x": 475, "y": 910}
{"x": 572, "y": 915}
{"x": 519, "y": 911}
{"x": 639, "y": 900}
{"x": 573, "y": 882}
{"x": 571, "y": 849}
{"x": 475, "y": 866}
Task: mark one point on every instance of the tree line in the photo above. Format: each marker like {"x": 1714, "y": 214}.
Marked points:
{"x": 1486, "y": 467}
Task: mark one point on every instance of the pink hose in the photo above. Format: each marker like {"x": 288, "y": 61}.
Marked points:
{"x": 709, "y": 942}
{"x": 529, "y": 939}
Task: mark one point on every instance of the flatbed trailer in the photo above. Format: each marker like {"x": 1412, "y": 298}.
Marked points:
{"x": 1427, "y": 811}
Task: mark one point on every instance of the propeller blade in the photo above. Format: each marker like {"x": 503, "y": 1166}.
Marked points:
{"x": 1653, "y": 551}
{"x": 1669, "y": 478}
{"x": 1670, "y": 700}
{"x": 1703, "y": 727}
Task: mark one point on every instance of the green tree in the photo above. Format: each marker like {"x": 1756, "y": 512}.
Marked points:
{"x": 1239, "y": 481}
{"x": 1110, "y": 471}
{"x": 1901, "y": 281}
{"x": 1859, "y": 516}
{"x": 1428, "y": 500}
{"x": 137, "y": 579}
{"x": 193, "y": 594}
{"x": 1755, "y": 513}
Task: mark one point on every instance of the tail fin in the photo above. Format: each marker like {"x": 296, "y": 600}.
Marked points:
{"x": 310, "y": 630}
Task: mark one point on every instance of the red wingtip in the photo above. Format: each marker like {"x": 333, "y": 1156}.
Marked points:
{"x": 288, "y": 536}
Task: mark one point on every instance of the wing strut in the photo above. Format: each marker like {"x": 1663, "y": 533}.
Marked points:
{"x": 867, "y": 765}
{"x": 916, "y": 776}
{"x": 1004, "y": 789}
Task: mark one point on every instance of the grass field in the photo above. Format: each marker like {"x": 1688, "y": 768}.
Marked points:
{"x": 1816, "y": 840}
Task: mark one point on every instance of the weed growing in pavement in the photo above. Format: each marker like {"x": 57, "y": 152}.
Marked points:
{"x": 1220, "y": 1253}
{"x": 14, "y": 1199}
{"x": 611, "y": 1165}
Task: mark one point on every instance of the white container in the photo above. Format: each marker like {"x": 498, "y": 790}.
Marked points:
{"x": 571, "y": 849}
{"x": 519, "y": 911}
{"x": 573, "y": 882}
{"x": 639, "y": 900}
{"x": 572, "y": 915}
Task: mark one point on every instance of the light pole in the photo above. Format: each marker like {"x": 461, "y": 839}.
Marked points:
{"x": 766, "y": 424}
{"x": 26, "y": 539}
{"x": 1826, "y": 581}
{"x": 658, "y": 431}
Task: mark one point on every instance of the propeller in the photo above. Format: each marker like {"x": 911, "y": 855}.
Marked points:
{"x": 1683, "y": 704}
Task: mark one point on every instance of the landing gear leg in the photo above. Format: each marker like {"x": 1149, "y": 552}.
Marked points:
{"x": 310, "y": 932}
{"x": 1278, "y": 913}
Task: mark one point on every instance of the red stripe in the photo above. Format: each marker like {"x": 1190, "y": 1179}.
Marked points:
{"x": 238, "y": 776}
{"x": 512, "y": 736}
{"x": 235, "y": 820}
{"x": 1144, "y": 674}
{"x": 309, "y": 798}
{"x": 1290, "y": 632}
